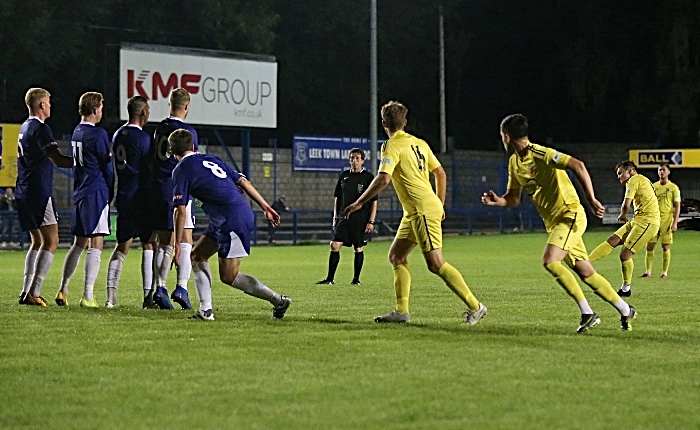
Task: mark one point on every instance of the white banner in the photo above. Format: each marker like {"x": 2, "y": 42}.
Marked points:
{"x": 225, "y": 90}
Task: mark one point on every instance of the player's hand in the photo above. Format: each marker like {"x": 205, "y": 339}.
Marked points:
{"x": 597, "y": 208}
{"x": 176, "y": 257}
{"x": 369, "y": 228}
{"x": 492, "y": 199}
{"x": 674, "y": 226}
{"x": 272, "y": 216}
{"x": 444, "y": 214}
{"x": 354, "y": 207}
{"x": 622, "y": 218}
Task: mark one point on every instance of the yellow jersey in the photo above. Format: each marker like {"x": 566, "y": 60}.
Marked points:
{"x": 542, "y": 174}
{"x": 409, "y": 161}
{"x": 667, "y": 195}
{"x": 641, "y": 191}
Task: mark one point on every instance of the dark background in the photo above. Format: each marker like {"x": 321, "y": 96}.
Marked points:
{"x": 582, "y": 71}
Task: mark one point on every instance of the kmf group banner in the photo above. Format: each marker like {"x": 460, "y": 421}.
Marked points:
{"x": 326, "y": 153}
{"x": 226, "y": 88}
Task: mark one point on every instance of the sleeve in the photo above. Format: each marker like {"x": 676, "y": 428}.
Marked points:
{"x": 235, "y": 176}
{"x": 390, "y": 158}
{"x": 181, "y": 187}
{"x": 433, "y": 162}
{"x": 46, "y": 141}
{"x": 338, "y": 193}
{"x": 552, "y": 157}
{"x": 676, "y": 194}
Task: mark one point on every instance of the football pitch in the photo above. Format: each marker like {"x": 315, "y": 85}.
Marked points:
{"x": 326, "y": 365}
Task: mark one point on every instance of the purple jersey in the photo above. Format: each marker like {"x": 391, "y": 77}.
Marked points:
{"x": 163, "y": 162}
{"x": 211, "y": 181}
{"x": 130, "y": 148}
{"x": 34, "y": 168}
{"x": 92, "y": 161}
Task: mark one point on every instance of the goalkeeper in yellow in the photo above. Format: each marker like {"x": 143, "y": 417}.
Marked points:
{"x": 638, "y": 231}
{"x": 541, "y": 172}
{"x": 669, "y": 197}
{"x": 407, "y": 162}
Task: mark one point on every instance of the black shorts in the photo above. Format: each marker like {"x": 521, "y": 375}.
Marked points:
{"x": 351, "y": 232}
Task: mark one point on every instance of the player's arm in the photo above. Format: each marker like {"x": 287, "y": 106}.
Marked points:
{"x": 336, "y": 210}
{"x": 510, "y": 199}
{"x": 375, "y": 187}
{"x": 440, "y": 183}
{"x": 179, "y": 216}
{"x": 249, "y": 189}
{"x": 369, "y": 228}
{"x": 579, "y": 169}
{"x": 60, "y": 160}
{"x": 626, "y": 205}
{"x": 676, "y": 214}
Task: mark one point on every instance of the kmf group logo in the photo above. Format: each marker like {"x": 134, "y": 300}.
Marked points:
{"x": 153, "y": 86}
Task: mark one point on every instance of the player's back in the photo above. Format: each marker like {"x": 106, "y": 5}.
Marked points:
{"x": 34, "y": 168}
{"x": 163, "y": 162}
{"x": 410, "y": 161}
{"x": 130, "y": 148}
{"x": 92, "y": 161}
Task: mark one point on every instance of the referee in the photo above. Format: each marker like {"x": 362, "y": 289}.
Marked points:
{"x": 351, "y": 232}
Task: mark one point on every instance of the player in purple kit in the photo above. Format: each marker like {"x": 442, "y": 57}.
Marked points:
{"x": 93, "y": 177}
{"x": 162, "y": 207}
{"x": 37, "y": 154}
{"x": 220, "y": 189}
{"x": 130, "y": 147}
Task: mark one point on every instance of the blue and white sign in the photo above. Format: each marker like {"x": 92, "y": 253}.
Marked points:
{"x": 326, "y": 153}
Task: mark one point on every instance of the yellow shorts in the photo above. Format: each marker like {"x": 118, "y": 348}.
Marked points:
{"x": 637, "y": 234}
{"x": 426, "y": 232}
{"x": 665, "y": 235}
{"x": 567, "y": 234}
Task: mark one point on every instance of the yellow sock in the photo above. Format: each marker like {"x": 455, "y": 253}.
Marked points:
{"x": 649, "y": 261}
{"x": 666, "y": 259}
{"x": 456, "y": 282}
{"x": 627, "y": 269}
{"x": 566, "y": 279}
{"x": 402, "y": 286}
{"x": 602, "y": 288}
{"x": 603, "y": 250}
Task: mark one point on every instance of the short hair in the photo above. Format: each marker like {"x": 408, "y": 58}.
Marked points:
{"x": 34, "y": 95}
{"x": 626, "y": 165}
{"x": 666, "y": 166}
{"x": 135, "y": 106}
{"x": 358, "y": 151}
{"x": 180, "y": 141}
{"x": 515, "y": 126}
{"x": 179, "y": 98}
{"x": 394, "y": 115}
{"x": 89, "y": 102}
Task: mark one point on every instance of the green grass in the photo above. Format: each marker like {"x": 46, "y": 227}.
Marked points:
{"x": 328, "y": 366}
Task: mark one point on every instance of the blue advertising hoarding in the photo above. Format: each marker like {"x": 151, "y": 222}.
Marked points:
{"x": 326, "y": 153}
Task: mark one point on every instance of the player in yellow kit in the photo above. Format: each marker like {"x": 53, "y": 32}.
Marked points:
{"x": 636, "y": 233}
{"x": 407, "y": 162}
{"x": 669, "y": 197}
{"x": 541, "y": 172}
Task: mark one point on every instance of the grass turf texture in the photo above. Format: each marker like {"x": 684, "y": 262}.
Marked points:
{"x": 327, "y": 365}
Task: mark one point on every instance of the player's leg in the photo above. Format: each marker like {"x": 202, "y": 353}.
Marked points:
{"x": 333, "y": 260}
{"x": 403, "y": 244}
{"x": 649, "y": 259}
{"x": 233, "y": 246}
{"x": 666, "y": 237}
{"x": 30, "y": 264}
{"x": 636, "y": 240}
{"x": 205, "y": 247}
{"x": 147, "y": 262}
{"x": 615, "y": 239}
{"x": 357, "y": 266}
{"x": 358, "y": 242}
{"x": 93, "y": 258}
{"x": 162, "y": 263}
{"x": 114, "y": 271}
{"x": 44, "y": 259}
{"x": 89, "y": 224}
{"x": 184, "y": 267}
{"x": 69, "y": 265}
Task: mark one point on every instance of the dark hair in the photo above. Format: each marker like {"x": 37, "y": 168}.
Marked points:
{"x": 666, "y": 166}
{"x": 135, "y": 106}
{"x": 358, "y": 151}
{"x": 515, "y": 126}
{"x": 180, "y": 141}
{"x": 626, "y": 165}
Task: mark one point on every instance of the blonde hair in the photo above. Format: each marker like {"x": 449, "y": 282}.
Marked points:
{"x": 89, "y": 102}
{"x": 394, "y": 115}
{"x": 179, "y": 98}
{"x": 34, "y": 95}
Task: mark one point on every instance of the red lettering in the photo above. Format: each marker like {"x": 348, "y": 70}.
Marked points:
{"x": 187, "y": 80}
{"x": 133, "y": 84}
{"x": 164, "y": 88}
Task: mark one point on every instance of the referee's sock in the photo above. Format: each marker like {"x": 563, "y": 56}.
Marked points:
{"x": 359, "y": 260}
{"x": 333, "y": 261}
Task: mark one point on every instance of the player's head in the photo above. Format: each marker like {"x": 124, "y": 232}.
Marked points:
{"x": 180, "y": 142}
{"x": 38, "y": 100}
{"x": 513, "y": 127}
{"x": 90, "y": 104}
{"x": 357, "y": 158}
{"x": 664, "y": 170}
{"x": 625, "y": 170}
{"x": 179, "y": 102}
{"x": 138, "y": 109}
{"x": 394, "y": 116}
